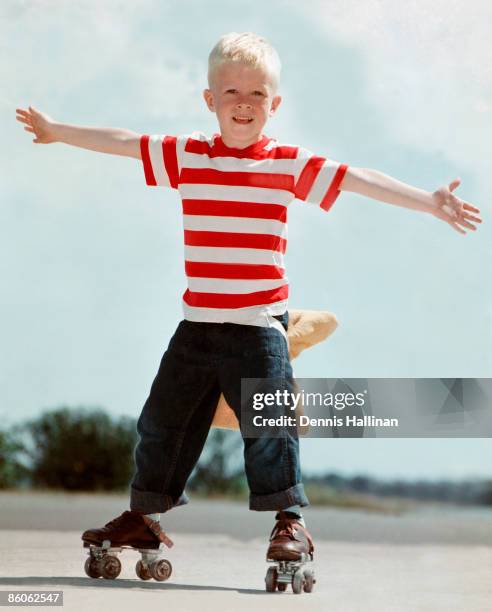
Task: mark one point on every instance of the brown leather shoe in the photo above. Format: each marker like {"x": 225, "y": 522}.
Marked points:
{"x": 289, "y": 540}
{"x": 129, "y": 529}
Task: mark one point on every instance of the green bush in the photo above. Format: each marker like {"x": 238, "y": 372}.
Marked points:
{"x": 486, "y": 497}
{"x": 12, "y": 473}
{"x": 81, "y": 450}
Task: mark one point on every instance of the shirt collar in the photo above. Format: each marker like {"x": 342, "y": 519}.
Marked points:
{"x": 220, "y": 147}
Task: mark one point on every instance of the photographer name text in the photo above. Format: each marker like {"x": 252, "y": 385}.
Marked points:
{"x": 303, "y": 420}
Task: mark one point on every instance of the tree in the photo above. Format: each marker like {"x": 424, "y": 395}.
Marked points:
{"x": 12, "y": 473}
{"x": 81, "y": 450}
{"x": 486, "y": 497}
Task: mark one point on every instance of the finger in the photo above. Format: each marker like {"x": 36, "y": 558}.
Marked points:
{"x": 454, "y": 184}
{"x": 472, "y": 218}
{"x": 21, "y": 111}
{"x": 24, "y": 119}
{"x": 457, "y": 228}
{"x": 464, "y": 223}
{"x": 468, "y": 206}
{"x": 28, "y": 128}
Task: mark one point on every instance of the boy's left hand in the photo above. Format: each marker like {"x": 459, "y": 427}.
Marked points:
{"x": 454, "y": 211}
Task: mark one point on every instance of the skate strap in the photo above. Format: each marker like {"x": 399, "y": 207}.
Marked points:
{"x": 284, "y": 527}
{"x": 156, "y": 529}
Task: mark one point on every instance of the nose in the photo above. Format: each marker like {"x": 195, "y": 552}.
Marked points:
{"x": 242, "y": 103}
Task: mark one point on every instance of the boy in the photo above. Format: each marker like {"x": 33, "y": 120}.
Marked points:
{"x": 235, "y": 189}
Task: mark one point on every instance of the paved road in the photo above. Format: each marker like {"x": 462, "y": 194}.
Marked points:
{"x": 425, "y": 524}
{"x": 222, "y": 572}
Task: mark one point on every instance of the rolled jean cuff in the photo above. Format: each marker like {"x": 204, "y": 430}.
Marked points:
{"x": 148, "y": 502}
{"x": 278, "y": 501}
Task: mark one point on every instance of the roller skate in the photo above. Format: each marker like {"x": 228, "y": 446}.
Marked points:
{"x": 291, "y": 549}
{"x": 129, "y": 530}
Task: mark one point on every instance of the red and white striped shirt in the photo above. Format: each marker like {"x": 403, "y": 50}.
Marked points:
{"x": 235, "y": 218}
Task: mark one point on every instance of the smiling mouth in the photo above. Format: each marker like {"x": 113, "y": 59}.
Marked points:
{"x": 243, "y": 120}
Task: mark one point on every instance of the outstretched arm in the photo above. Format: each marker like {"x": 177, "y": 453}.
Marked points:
{"x": 115, "y": 141}
{"x": 442, "y": 203}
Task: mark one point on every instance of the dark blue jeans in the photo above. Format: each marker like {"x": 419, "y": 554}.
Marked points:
{"x": 202, "y": 360}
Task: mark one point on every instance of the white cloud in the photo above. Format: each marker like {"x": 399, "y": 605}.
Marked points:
{"x": 429, "y": 68}
{"x": 54, "y": 50}
{"x": 90, "y": 63}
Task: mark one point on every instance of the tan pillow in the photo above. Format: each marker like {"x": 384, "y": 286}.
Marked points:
{"x": 224, "y": 417}
{"x": 306, "y": 328}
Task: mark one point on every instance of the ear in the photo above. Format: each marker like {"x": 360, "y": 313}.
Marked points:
{"x": 275, "y": 104}
{"x": 209, "y": 99}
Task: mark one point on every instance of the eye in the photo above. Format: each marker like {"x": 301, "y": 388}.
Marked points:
{"x": 231, "y": 91}
{"x": 258, "y": 93}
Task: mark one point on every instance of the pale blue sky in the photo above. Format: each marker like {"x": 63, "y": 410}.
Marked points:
{"x": 92, "y": 259}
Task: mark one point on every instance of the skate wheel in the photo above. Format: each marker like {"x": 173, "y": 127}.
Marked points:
{"x": 271, "y": 579}
{"x": 91, "y": 568}
{"x": 110, "y": 567}
{"x": 143, "y": 571}
{"x": 297, "y": 581}
{"x": 308, "y": 580}
{"x": 282, "y": 586}
{"x": 160, "y": 570}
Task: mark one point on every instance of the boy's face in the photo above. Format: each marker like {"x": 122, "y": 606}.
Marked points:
{"x": 243, "y": 98}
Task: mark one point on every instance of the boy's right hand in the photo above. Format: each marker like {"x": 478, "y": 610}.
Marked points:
{"x": 38, "y": 123}
{"x": 115, "y": 141}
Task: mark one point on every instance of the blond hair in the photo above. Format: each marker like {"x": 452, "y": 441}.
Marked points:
{"x": 248, "y": 48}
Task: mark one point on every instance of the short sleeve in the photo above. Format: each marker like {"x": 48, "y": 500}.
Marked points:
{"x": 318, "y": 179}
{"x": 160, "y": 160}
